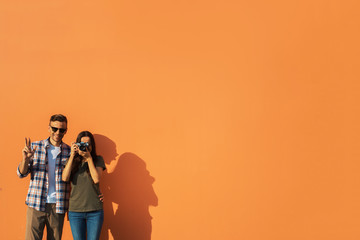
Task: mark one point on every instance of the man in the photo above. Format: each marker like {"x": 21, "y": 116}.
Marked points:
{"x": 47, "y": 197}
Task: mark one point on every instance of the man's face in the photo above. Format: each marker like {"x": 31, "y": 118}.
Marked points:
{"x": 57, "y": 131}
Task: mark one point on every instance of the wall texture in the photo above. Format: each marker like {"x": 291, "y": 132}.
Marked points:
{"x": 217, "y": 119}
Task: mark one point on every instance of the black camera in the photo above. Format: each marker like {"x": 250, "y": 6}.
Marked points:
{"x": 83, "y": 146}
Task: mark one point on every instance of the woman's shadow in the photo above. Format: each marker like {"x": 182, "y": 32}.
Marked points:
{"x": 128, "y": 193}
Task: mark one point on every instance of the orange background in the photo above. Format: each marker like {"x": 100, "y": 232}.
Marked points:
{"x": 240, "y": 117}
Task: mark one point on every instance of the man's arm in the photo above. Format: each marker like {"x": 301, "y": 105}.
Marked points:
{"x": 27, "y": 153}
{"x": 24, "y": 166}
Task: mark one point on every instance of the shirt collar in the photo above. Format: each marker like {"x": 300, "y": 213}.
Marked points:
{"x": 47, "y": 143}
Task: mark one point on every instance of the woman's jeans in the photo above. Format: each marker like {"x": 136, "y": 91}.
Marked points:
{"x": 86, "y": 223}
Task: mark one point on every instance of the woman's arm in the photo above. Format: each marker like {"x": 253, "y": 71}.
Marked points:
{"x": 95, "y": 172}
{"x": 67, "y": 170}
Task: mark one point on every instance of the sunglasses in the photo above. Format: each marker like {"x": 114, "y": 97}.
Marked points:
{"x": 61, "y": 130}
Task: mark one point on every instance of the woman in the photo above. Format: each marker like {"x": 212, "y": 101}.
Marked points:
{"x": 84, "y": 169}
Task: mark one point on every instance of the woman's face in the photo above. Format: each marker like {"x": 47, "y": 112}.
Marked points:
{"x": 87, "y": 140}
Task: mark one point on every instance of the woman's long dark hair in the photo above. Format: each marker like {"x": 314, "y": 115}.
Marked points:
{"x": 78, "y": 158}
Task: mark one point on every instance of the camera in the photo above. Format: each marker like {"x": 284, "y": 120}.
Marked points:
{"x": 83, "y": 146}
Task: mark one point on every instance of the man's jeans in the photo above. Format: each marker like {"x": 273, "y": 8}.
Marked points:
{"x": 86, "y": 223}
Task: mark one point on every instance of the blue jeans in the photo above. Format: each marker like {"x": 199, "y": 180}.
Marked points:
{"x": 86, "y": 223}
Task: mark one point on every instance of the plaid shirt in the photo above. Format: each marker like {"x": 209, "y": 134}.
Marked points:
{"x": 39, "y": 184}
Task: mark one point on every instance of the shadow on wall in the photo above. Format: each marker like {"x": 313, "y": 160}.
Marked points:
{"x": 128, "y": 193}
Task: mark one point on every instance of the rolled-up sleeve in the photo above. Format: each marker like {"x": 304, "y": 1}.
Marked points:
{"x": 20, "y": 175}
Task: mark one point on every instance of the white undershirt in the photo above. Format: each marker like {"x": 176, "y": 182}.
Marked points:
{"x": 52, "y": 153}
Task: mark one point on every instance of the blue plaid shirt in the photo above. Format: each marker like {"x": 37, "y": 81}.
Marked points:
{"x": 39, "y": 184}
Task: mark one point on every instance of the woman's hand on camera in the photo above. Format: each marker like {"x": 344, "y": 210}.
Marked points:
{"x": 74, "y": 148}
{"x": 85, "y": 154}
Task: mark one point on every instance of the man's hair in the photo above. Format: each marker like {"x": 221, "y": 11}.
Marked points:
{"x": 58, "y": 117}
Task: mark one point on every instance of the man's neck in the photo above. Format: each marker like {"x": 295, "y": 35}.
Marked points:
{"x": 55, "y": 144}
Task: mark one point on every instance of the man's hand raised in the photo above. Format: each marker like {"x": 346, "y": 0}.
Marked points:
{"x": 28, "y": 151}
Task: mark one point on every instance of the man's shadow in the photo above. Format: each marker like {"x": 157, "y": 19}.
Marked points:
{"x": 128, "y": 193}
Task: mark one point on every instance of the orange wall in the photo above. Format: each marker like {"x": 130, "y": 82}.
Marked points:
{"x": 240, "y": 117}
